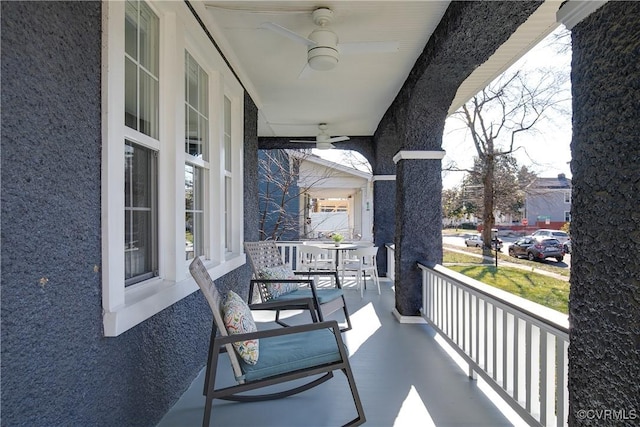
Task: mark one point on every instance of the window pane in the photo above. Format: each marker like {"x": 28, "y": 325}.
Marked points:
{"x": 203, "y": 133}
{"x": 130, "y": 94}
{"x": 192, "y": 82}
{"x": 148, "y": 105}
{"x": 148, "y": 39}
{"x": 194, "y": 213}
{"x": 203, "y": 106}
{"x": 227, "y": 213}
{"x": 193, "y": 137}
{"x": 227, "y": 115}
{"x": 138, "y": 250}
{"x": 227, "y": 134}
{"x": 141, "y": 69}
{"x": 140, "y": 213}
{"x": 131, "y": 29}
{"x": 196, "y": 99}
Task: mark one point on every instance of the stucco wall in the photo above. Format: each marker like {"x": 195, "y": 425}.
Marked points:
{"x": 415, "y": 121}
{"x": 57, "y": 368}
{"x": 604, "y": 303}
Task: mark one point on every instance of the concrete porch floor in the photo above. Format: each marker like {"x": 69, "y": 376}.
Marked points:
{"x": 404, "y": 377}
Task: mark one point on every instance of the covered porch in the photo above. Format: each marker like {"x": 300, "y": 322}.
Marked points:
{"x": 404, "y": 373}
{"x": 80, "y": 346}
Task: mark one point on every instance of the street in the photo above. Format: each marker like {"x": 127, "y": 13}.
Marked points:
{"x": 507, "y": 241}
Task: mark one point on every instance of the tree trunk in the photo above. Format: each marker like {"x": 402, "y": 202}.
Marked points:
{"x": 487, "y": 215}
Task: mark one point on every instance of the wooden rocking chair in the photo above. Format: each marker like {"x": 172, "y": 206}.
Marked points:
{"x": 263, "y": 256}
{"x": 319, "y": 351}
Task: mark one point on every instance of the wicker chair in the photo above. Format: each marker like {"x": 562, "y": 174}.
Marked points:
{"x": 282, "y": 355}
{"x": 265, "y": 255}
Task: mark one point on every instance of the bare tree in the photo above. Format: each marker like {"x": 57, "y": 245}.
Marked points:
{"x": 280, "y": 194}
{"x": 513, "y": 104}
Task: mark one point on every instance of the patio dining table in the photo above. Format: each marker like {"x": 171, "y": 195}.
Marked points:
{"x": 338, "y": 248}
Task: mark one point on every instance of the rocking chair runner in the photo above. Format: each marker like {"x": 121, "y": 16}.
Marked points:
{"x": 319, "y": 351}
{"x": 265, "y": 255}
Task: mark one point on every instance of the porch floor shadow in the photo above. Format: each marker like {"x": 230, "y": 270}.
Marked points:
{"x": 404, "y": 377}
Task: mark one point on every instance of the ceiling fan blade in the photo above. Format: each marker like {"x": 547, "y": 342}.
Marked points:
{"x": 338, "y": 139}
{"x": 303, "y": 141}
{"x": 306, "y": 72}
{"x": 368, "y": 47}
{"x": 287, "y": 33}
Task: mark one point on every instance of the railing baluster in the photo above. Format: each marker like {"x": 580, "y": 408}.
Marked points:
{"x": 495, "y": 338}
{"x": 505, "y": 359}
{"x": 562, "y": 395}
{"x": 464, "y": 321}
{"x": 547, "y": 377}
{"x": 455, "y": 314}
{"x": 485, "y": 329}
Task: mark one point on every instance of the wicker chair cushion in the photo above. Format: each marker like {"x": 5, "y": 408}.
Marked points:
{"x": 237, "y": 319}
{"x": 278, "y": 272}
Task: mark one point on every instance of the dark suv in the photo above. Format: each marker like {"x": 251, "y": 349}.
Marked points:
{"x": 537, "y": 249}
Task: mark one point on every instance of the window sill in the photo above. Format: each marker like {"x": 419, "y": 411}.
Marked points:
{"x": 152, "y": 296}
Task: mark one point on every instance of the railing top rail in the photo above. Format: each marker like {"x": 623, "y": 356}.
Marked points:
{"x": 544, "y": 315}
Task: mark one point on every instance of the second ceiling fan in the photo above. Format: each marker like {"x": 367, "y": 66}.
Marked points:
{"x": 323, "y": 48}
{"x": 323, "y": 140}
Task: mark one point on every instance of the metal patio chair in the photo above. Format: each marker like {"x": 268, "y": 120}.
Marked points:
{"x": 266, "y": 262}
{"x": 312, "y": 351}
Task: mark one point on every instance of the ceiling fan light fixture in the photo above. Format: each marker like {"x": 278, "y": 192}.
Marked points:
{"x": 324, "y": 55}
{"x": 322, "y": 58}
{"x": 324, "y": 145}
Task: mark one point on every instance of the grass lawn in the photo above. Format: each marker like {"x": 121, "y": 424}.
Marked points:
{"x": 550, "y": 292}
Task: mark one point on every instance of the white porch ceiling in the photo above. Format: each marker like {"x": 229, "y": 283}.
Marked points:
{"x": 353, "y": 97}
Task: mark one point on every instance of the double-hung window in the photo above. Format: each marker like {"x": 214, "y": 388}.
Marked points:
{"x": 171, "y": 160}
{"x": 228, "y": 177}
{"x": 197, "y": 155}
{"x": 141, "y": 88}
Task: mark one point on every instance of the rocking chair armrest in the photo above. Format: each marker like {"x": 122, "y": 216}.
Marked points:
{"x": 307, "y": 281}
{"x": 300, "y": 303}
{"x": 267, "y": 333}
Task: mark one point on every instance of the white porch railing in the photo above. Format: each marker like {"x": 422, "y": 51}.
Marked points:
{"x": 518, "y": 347}
{"x": 289, "y": 252}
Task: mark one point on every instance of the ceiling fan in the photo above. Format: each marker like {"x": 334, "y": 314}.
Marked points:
{"x": 323, "y": 49}
{"x": 323, "y": 141}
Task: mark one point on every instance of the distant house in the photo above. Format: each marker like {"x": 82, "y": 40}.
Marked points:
{"x": 548, "y": 202}
{"x": 318, "y": 197}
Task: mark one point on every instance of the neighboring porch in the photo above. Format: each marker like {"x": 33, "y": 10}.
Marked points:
{"x": 404, "y": 375}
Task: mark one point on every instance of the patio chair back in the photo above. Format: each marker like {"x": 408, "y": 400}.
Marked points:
{"x": 265, "y": 254}
{"x": 210, "y": 291}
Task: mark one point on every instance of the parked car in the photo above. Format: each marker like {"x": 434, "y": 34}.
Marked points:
{"x": 553, "y": 234}
{"x": 567, "y": 246}
{"x": 476, "y": 242}
{"x": 537, "y": 249}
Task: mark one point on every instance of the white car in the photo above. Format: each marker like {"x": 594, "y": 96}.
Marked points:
{"x": 476, "y": 241}
{"x": 552, "y": 234}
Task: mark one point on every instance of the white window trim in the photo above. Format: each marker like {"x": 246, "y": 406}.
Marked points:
{"x": 123, "y": 308}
